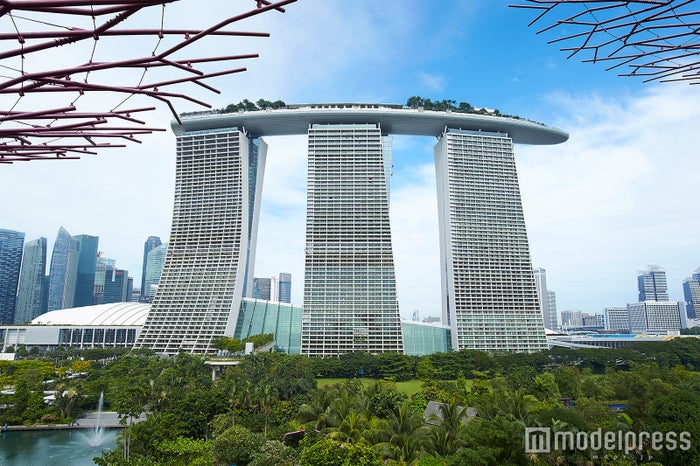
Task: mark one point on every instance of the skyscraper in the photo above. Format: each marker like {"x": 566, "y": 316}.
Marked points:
{"x": 31, "y": 282}
{"x": 63, "y": 271}
{"x": 209, "y": 263}
{"x": 552, "y": 304}
{"x": 151, "y": 243}
{"x": 154, "y": 268}
{"x": 652, "y": 284}
{"x": 691, "y": 294}
{"x": 488, "y": 286}
{"x": 85, "y": 274}
{"x": 117, "y": 289}
{"x": 11, "y": 243}
{"x": 549, "y": 316}
{"x": 262, "y": 288}
{"x": 285, "y": 288}
{"x": 350, "y": 301}
{"x": 102, "y": 264}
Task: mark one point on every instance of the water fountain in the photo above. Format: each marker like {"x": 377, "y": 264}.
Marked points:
{"x": 97, "y": 433}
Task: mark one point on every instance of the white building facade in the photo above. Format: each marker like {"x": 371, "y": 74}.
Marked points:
{"x": 489, "y": 298}
{"x": 209, "y": 262}
{"x": 350, "y": 301}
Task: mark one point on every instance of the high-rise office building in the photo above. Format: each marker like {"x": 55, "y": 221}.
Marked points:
{"x": 116, "y": 287}
{"x": 262, "y": 288}
{"x": 488, "y": 286}
{"x": 549, "y": 316}
{"x": 154, "y": 268}
{"x": 151, "y": 243}
{"x": 85, "y": 274}
{"x": 31, "y": 282}
{"x": 691, "y": 294}
{"x": 552, "y": 304}
{"x": 11, "y": 243}
{"x": 209, "y": 263}
{"x": 284, "y": 287}
{"x": 102, "y": 264}
{"x": 63, "y": 271}
{"x": 350, "y": 301}
{"x": 652, "y": 284}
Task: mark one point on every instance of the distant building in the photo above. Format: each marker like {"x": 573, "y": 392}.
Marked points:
{"x": 652, "y": 284}
{"x": 32, "y": 278}
{"x": 11, "y": 243}
{"x": 600, "y": 320}
{"x": 85, "y": 274}
{"x": 63, "y": 271}
{"x": 552, "y": 304}
{"x": 154, "y": 268}
{"x": 589, "y": 320}
{"x": 691, "y": 294}
{"x": 151, "y": 243}
{"x": 617, "y": 319}
{"x": 116, "y": 288}
{"x": 284, "y": 288}
{"x": 549, "y": 316}
{"x": 655, "y": 316}
{"x": 262, "y": 288}
{"x": 571, "y": 319}
{"x": 432, "y": 320}
{"x": 102, "y": 264}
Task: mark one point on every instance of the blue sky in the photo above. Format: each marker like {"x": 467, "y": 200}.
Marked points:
{"x": 620, "y": 194}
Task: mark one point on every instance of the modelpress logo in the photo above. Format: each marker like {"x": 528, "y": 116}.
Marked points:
{"x": 542, "y": 440}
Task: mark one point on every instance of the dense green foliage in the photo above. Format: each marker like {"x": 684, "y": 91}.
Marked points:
{"x": 269, "y": 410}
{"x": 234, "y": 345}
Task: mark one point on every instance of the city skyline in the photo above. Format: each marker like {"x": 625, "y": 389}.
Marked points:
{"x": 598, "y": 208}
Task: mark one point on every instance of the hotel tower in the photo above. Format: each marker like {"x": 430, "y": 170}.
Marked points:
{"x": 489, "y": 298}
{"x": 350, "y": 299}
{"x": 209, "y": 262}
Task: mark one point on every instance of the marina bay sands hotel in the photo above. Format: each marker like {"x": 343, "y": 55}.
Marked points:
{"x": 489, "y": 298}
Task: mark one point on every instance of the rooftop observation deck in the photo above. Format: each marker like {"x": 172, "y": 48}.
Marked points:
{"x": 392, "y": 118}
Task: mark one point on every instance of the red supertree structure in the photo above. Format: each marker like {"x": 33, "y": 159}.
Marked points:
{"x": 59, "y": 54}
{"x": 658, "y": 40}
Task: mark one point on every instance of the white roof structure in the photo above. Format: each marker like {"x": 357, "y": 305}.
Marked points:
{"x": 296, "y": 119}
{"x": 127, "y": 314}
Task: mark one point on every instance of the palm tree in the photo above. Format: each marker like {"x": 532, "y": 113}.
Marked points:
{"x": 449, "y": 428}
{"x": 406, "y": 435}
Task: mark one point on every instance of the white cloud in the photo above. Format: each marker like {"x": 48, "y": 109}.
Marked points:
{"x": 617, "y": 196}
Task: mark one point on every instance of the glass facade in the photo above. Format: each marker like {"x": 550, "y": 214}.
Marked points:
{"x": 31, "y": 282}
{"x": 489, "y": 297}
{"x": 11, "y": 243}
{"x": 421, "y": 339}
{"x": 63, "y": 271}
{"x": 85, "y": 275}
{"x": 281, "y": 319}
{"x": 151, "y": 243}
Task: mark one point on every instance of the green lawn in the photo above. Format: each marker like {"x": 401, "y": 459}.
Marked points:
{"x": 409, "y": 387}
